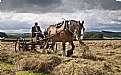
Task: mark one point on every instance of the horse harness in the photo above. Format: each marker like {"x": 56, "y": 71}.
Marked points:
{"x": 66, "y": 29}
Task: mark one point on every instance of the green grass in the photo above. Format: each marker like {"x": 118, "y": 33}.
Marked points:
{"x": 32, "y": 73}
{"x": 6, "y": 65}
{"x": 28, "y": 73}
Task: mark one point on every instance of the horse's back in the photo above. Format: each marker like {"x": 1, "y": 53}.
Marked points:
{"x": 53, "y": 30}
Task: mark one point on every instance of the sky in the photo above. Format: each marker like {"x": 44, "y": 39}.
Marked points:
{"x": 18, "y": 16}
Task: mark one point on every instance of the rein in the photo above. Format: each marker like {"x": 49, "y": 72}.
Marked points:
{"x": 66, "y": 28}
{"x": 69, "y": 31}
{"x": 53, "y": 35}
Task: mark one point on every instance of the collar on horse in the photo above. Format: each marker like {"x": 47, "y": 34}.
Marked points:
{"x": 66, "y": 29}
{"x": 59, "y": 24}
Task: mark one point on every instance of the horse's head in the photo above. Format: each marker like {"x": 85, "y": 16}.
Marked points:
{"x": 79, "y": 30}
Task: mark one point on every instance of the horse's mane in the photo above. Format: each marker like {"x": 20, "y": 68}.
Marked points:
{"x": 73, "y": 22}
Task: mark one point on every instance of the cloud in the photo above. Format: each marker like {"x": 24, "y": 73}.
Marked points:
{"x": 30, "y": 6}
{"x": 13, "y": 25}
{"x": 61, "y": 6}
{"x": 20, "y": 15}
{"x": 16, "y": 31}
{"x": 95, "y": 20}
{"x": 107, "y": 27}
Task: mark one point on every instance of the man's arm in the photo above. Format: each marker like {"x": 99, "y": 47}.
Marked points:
{"x": 33, "y": 35}
{"x": 39, "y": 29}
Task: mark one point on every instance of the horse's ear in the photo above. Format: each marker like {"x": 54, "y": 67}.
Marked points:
{"x": 82, "y": 22}
{"x": 79, "y": 22}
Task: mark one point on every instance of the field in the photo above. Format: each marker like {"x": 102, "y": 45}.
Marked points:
{"x": 93, "y": 57}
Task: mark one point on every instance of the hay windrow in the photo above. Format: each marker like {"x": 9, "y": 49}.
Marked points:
{"x": 77, "y": 69}
{"x": 38, "y": 65}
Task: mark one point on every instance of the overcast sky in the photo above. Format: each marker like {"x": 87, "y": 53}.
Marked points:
{"x": 18, "y": 16}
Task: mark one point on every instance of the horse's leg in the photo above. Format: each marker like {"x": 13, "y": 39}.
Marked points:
{"x": 46, "y": 42}
{"x": 70, "y": 52}
{"x": 53, "y": 44}
{"x": 64, "y": 53}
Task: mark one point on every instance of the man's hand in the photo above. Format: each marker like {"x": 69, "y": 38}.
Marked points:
{"x": 37, "y": 32}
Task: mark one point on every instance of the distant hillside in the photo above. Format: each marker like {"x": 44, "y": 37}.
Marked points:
{"x": 2, "y": 34}
{"x": 93, "y": 35}
{"x": 18, "y": 35}
{"x": 111, "y": 34}
{"x": 101, "y": 35}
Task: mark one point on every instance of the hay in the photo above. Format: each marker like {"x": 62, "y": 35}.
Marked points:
{"x": 78, "y": 69}
{"x": 37, "y": 64}
{"x": 97, "y": 58}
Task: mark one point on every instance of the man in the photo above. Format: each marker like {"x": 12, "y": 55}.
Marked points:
{"x": 36, "y": 31}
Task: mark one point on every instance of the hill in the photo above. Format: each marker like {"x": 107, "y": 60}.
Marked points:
{"x": 111, "y": 34}
{"x": 18, "y": 35}
{"x": 2, "y": 34}
{"x": 102, "y": 35}
{"x": 93, "y": 35}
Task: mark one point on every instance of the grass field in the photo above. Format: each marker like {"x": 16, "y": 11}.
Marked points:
{"x": 93, "y": 57}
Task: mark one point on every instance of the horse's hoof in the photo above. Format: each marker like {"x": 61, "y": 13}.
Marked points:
{"x": 63, "y": 55}
{"x": 41, "y": 47}
{"x": 69, "y": 53}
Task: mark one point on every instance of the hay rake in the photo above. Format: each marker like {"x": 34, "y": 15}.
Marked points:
{"x": 27, "y": 45}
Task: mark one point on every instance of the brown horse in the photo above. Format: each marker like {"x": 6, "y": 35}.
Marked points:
{"x": 64, "y": 33}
